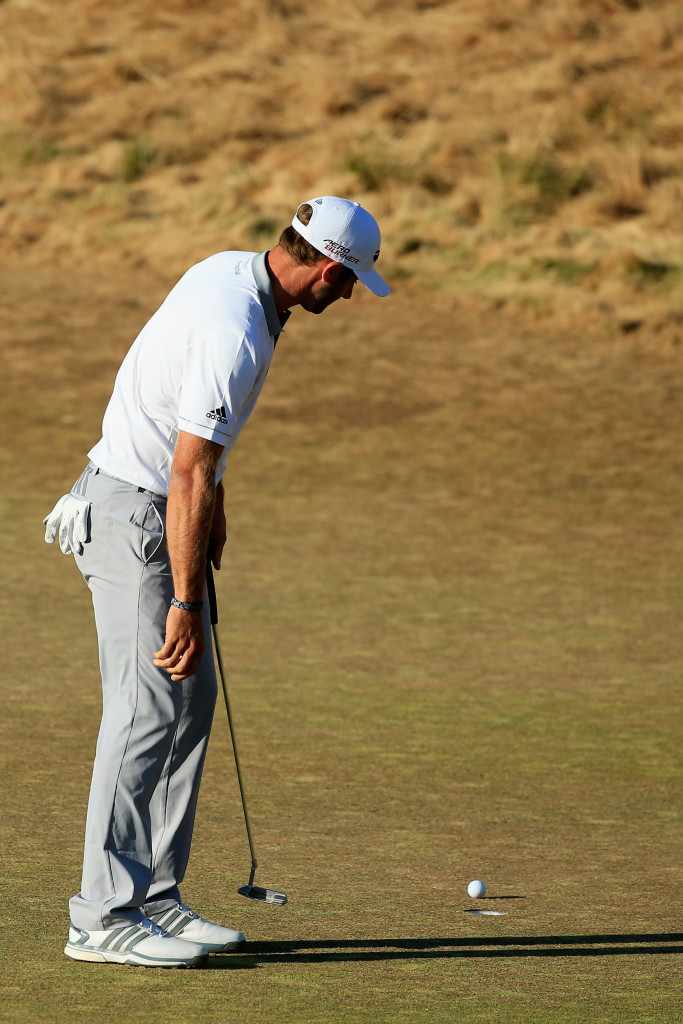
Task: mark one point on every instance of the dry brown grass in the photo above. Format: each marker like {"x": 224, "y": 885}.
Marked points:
{"x": 517, "y": 153}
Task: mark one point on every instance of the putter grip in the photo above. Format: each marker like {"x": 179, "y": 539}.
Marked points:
{"x": 211, "y": 591}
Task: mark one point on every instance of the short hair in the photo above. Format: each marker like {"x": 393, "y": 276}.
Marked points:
{"x": 295, "y": 245}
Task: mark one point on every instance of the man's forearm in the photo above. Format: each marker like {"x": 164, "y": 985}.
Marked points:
{"x": 189, "y": 516}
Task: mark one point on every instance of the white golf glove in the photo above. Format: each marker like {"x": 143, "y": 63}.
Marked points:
{"x": 71, "y": 516}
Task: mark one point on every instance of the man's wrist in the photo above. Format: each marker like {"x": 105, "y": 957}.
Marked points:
{"x": 187, "y": 606}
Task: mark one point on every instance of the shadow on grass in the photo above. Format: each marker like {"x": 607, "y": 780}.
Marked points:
{"x": 501, "y": 897}
{"x": 368, "y": 950}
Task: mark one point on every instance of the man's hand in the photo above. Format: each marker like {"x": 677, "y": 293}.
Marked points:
{"x": 182, "y": 652}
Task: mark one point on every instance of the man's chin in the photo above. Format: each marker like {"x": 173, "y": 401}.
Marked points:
{"x": 318, "y": 304}
{"x": 325, "y": 304}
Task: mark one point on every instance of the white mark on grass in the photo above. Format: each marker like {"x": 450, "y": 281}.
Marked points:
{"x": 488, "y": 913}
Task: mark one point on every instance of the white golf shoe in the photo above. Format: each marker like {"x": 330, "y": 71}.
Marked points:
{"x": 141, "y": 945}
{"x": 183, "y": 923}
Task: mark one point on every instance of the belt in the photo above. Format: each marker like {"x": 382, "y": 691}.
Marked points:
{"x": 142, "y": 490}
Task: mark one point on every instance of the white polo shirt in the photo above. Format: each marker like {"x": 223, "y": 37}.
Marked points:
{"x": 198, "y": 365}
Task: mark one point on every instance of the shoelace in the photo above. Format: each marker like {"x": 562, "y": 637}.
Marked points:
{"x": 155, "y": 929}
{"x": 189, "y": 911}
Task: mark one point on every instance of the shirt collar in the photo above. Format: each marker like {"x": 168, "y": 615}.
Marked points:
{"x": 275, "y": 321}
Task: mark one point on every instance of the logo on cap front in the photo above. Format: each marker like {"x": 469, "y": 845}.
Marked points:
{"x": 340, "y": 251}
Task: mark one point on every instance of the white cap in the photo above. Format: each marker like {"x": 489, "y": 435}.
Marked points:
{"x": 347, "y": 234}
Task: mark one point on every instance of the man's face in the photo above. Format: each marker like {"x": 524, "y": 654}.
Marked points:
{"x": 337, "y": 283}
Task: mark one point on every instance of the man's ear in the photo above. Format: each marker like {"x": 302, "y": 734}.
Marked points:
{"x": 331, "y": 271}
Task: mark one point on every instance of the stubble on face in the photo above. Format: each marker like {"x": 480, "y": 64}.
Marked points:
{"x": 323, "y": 294}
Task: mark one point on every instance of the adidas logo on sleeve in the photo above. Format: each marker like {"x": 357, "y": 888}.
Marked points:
{"x": 218, "y": 414}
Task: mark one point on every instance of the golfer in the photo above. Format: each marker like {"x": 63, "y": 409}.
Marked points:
{"x": 141, "y": 520}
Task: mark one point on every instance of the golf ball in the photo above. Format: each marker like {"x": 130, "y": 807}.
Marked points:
{"x": 476, "y": 889}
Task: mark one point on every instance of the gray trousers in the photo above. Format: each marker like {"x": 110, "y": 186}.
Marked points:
{"x": 154, "y": 732}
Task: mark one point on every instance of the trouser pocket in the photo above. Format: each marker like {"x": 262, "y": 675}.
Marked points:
{"x": 151, "y": 523}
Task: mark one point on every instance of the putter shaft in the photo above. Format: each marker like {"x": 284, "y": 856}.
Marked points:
{"x": 254, "y": 863}
{"x": 251, "y": 891}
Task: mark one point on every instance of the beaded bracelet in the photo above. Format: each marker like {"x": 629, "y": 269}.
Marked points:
{"x": 188, "y": 606}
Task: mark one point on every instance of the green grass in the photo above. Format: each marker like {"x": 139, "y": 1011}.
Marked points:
{"x": 566, "y": 271}
{"x": 653, "y": 272}
{"x": 450, "y": 620}
{"x": 138, "y": 157}
{"x": 373, "y": 167}
{"x": 539, "y": 186}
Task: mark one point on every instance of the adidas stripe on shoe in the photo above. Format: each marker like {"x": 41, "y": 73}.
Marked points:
{"x": 186, "y": 924}
{"x": 139, "y": 945}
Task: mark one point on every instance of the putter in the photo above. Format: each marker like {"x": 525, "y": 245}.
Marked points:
{"x": 251, "y": 891}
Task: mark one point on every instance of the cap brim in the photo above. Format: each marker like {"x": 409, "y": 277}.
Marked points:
{"x": 373, "y": 282}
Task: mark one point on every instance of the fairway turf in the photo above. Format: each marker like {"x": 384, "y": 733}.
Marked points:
{"x": 450, "y": 620}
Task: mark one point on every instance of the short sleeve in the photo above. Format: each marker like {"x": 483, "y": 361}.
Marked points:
{"x": 220, "y": 375}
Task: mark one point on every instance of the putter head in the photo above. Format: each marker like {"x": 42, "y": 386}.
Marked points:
{"x": 257, "y": 892}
